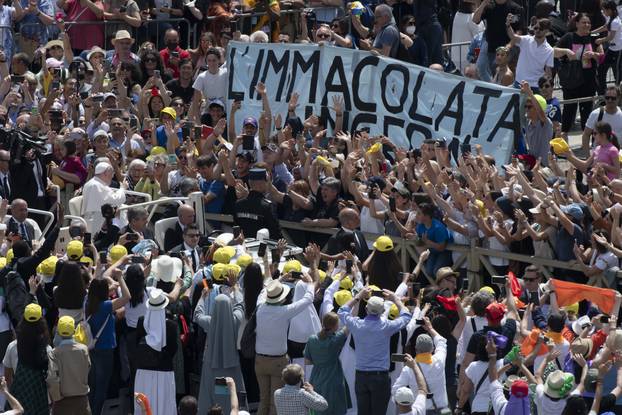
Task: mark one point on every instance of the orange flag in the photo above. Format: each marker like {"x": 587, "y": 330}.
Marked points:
{"x": 569, "y": 293}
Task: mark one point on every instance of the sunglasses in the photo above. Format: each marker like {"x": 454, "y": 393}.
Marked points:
{"x": 323, "y": 36}
{"x": 529, "y": 279}
{"x": 609, "y": 98}
{"x": 178, "y": 104}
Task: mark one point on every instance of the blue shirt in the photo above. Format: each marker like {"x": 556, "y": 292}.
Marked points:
{"x": 553, "y": 110}
{"x": 107, "y": 339}
{"x": 162, "y": 138}
{"x": 372, "y": 337}
{"x": 437, "y": 233}
{"x": 31, "y": 26}
{"x": 217, "y": 188}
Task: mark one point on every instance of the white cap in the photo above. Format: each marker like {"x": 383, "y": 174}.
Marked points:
{"x": 262, "y": 234}
{"x": 100, "y": 132}
{"x": 404, "y": 396}
{"x": 102, "y": 167}
{"x": 375, "y": 305}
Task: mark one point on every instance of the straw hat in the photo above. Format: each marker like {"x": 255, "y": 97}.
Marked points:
{"x": 276, "y": 292}
{"x": 157, "y": 299}
{"x": 122, "y": 35}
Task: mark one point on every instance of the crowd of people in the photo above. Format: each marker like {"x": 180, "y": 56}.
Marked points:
{"x": 139, "y": 309}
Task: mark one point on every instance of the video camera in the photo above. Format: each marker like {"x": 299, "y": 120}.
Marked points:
{"x": 18, "y": 143}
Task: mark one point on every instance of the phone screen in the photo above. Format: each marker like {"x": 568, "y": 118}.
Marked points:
{"x": 87, "y": 238}
{"x": 397, "y": 357}
{"x": 248, "y": 142}
{"x": 377, "y": 294}
{"x": 392, "y": 204}
{"x": 276, "y": 258}
{"x": 262, "y": 250}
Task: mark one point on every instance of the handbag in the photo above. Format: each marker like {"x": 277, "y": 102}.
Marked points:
{"x": 571, "y": 73}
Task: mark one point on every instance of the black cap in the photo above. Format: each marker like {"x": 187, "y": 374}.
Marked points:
{"x": 257, "y": 174}
{"x": 247, "y": 155}
{"x": 377, "y": 181}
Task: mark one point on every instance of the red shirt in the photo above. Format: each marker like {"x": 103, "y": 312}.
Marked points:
{"x": 165, "y": 55}
{"x": 84, "y": 36}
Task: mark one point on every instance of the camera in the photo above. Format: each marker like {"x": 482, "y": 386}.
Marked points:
{"x": 18, "y": 142}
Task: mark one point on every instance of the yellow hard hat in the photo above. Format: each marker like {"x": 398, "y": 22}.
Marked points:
{"x": 383, "y": 244}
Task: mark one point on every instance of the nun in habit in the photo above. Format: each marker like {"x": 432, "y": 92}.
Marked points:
{"x": 156, "y": 338}
{"x": 220, "y": 357}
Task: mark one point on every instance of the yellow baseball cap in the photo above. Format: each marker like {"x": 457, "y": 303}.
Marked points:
{"x": 2, "y": 262}
{"x": 572, "y": 308}
{"x": 244, "y": 260}
{"x": 86, "y": 260}
{"x": 223, "y": 255}
{"x": 482, "y": 209}
{"x": 169, "y": 111}
{"x": 233, "y": 267}
{"x": 559, "y": 145}
{"x": 9, "y": 256}
{"x": 393, "y": 312}
{"x": 346, "y": 284}
{"x": 32, "y": 312}
{"x": 75, "y": 250}
{"x": 322, "y": 275}
{"x": 48, "y": 266}
{"x": 292, "y": 265}
{"x": 375, "y": 148}
{"x": 218, "y": 271}
{"x": 66, "y": 326}
{"x": 342, "y": 296}
{"x": 373, "y": 288}
{"x": 488, "y": 290}
{"x": 383, "y": 244}
{"x": 117, "y": 252}
{"x": 541, "y": 101}
{"x": 157, "y": 150}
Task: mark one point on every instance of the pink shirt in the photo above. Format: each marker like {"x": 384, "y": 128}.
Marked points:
{"x": 84, "y": 36}
{"x": 72, "y": 164}
{"x": 607, "y": 154}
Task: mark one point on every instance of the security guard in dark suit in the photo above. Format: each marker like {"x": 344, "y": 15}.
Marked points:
{"x": 255, "y": 212}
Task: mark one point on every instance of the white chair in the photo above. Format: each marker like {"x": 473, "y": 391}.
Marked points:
{"x": 160, "y": 228}
{"x": 75, "y": 206}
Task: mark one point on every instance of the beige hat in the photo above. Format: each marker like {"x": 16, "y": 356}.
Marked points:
{"x": 375, "y": 305}
{"x": 445, "y": 272}
{"x": 276, "y": 292}
{"x": 94, "y": 51}
{"x": 121, "y": 35}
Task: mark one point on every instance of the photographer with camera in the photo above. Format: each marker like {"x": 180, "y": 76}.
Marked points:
{"x": 97, "y": 192}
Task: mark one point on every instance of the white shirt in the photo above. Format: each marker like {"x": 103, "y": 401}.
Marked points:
{"x": 370, "y": 224}
{"x": 563, "y": 348}
{"x": 604, "y": 261}
{"x": 10, "y": 356}
{"x": 467, "y": 332}
{"x": 474, "y": 372}
{"x": 434, "y": 375}
{"x": 212, "y": 86}
{"x": 616, "y": 43}
{"x": 132, "y": 314}
{"x": 532, "y": 59}
{"x": 96, "y": 193}
{"x": 546, "y": 405}
{"x": 31, "y": 222}
{"x": 273, "y": 323}
{"x": 499, "y": 402}
{"x": 615, "y": 120}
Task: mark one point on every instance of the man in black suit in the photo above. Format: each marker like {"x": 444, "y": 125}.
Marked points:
{"x": 190, "y": 246}
{"x": 19, "y": 224}
{"x": 348, "y": 238}
{"x": 29, "y": 180}
{"x": 5, "y": 178}
{"x": 174, "y": 236}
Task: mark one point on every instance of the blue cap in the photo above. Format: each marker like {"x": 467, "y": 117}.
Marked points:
{"x": 250, "y": 120}
{"x": 573, "y": 210}
{"x": 216, "y": 102}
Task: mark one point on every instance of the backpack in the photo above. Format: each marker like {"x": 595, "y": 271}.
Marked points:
{"x": 249, "y": 336}
{"x": 16, "y": 295}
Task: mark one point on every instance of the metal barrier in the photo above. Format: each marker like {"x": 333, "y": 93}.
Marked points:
{"x": 153, "y": 204}
{"x": 463, "y": 48}
{"x": 472, "y": 257}
{"x": 144, "y": 31}
{"x": 77, "y": 218}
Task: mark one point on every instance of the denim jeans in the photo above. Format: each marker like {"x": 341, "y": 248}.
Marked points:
{"x": 373, "y": 391}
{"x": 485, "y": 62}
{"x": 99, "y": 377}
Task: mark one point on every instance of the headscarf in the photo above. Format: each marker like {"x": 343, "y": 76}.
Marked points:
{"x": 222, "y": 350}
{"x": 307, "y": 322}
{"x": 155, "y": 327}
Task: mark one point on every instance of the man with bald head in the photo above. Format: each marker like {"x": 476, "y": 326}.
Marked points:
{"x": 348, "y": 238}
{"x": 5, "y": 179}
{"x": 20, "y": 225}
{"x": 175, "y": 236}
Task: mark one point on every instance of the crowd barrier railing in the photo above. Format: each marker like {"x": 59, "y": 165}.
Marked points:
{"x": 144, "y": 31}
{"x": 473, "y": 258}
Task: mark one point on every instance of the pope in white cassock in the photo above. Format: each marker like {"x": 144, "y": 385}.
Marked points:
{"x": 97, "y": 192}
